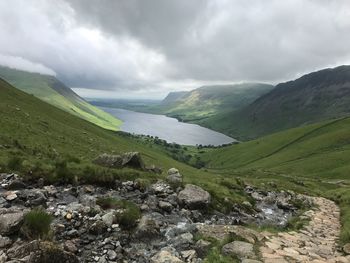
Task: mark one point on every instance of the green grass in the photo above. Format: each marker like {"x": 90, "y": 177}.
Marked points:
{"x": 36, "y": 224}
{"x": 52, "y": 91}
{"x": 313, "y": 160}
{"x": 58, "y": 146}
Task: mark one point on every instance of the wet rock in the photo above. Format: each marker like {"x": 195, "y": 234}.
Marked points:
{"x": 130, "y": 159}
{"x": 174, "y": 177}
{"x": 10, "y": 220}
{"x": 194, "y": 197}
{"x": 240, "y": 249}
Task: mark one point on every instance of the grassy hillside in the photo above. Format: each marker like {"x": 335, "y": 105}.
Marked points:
{"x": 314, "y": 159}
{"x": 51, "y": 90}
{"x": 208, "y": 101}
{"x": 312, "y": 98}
{"x": 40, "y": 140}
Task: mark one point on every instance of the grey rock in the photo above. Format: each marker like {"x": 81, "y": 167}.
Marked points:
{"x": 109, "y": 218}
{"x": 112, "y": 255}
{"x": 166, "y": 206}
{"x": 174, "y": 177}
{"x": 194, "y": 197}
{"x": 240, "y": 249}
{"x": 147, "y": 229}
{"x": 165, "y": 256}
{"x": 4, "y": 241}
{"x": 202, "y": 247}
{"x": 10, "y": 220}
{"x": 129, "y": 159}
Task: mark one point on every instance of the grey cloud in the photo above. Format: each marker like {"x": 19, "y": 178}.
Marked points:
{"x": 154, "y": 44}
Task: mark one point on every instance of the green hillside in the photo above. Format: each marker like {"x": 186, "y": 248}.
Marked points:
{"x": 50, "y": 89}
{"x": 314, "y": 159}
{"x": 208, "y": 101}
{"x": 36, "y": 138}
{"x": 312, "y": 98}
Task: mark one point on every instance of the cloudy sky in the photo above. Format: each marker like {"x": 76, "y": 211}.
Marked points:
{"x": 145, "y": 48}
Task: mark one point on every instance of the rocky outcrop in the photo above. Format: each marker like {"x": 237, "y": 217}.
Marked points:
{"x": 129, "y": 159}
{"x": 194, "y": 197}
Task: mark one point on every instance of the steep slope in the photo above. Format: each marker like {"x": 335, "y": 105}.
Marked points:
{"x": 173, "y": 97}
{"x": 51, "y": 90}
{"x": 208, "y": 101}
{"x": 314, "y": 97}
{"x": 41, "y": 136}
{"x": 320, "y": 150}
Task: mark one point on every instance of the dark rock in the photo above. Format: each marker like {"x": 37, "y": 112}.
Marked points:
{"x": 16, "y": 185}
{"x": 147, "y": 229}
{"x": 202, "y": 248}
{"x": 130, "y": 159}
{"x": 166, "y": 206}
{"x": 98, "y": 228}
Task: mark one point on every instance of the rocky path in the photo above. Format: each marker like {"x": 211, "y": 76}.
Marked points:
{"x": 316, "y": 242}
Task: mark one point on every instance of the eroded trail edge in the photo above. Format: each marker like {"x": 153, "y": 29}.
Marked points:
{"x": 316, "y": 242}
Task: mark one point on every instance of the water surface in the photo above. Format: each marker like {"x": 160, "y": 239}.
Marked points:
{"x": 166, "y": 128}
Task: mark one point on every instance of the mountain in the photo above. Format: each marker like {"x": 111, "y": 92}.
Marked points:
{"x": 40, "y": 138}
{"x": 314, "y": 97}
{"x": 208, "y": 101}
{"x": 53, "y": 91}
{"x": 173, "y": 97}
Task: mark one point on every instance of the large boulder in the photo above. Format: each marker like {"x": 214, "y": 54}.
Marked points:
{"x": 194, "y": 197}
{"x": 174, "y": 177}
{"x": 129, "y": 159}
{"x": 11, "y": 220}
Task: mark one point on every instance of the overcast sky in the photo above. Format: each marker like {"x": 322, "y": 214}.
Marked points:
{"x": 145, "y": 48}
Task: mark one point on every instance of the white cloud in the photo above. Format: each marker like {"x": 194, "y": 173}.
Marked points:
{"x": 25, "y": 65}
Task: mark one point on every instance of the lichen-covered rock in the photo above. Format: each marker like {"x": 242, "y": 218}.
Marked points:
{"x": 194, "y": 197}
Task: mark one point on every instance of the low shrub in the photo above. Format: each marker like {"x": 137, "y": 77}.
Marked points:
{"x": 127, "y": 212}
{"x": 36, "y": 224}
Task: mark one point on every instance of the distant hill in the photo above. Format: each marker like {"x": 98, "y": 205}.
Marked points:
{"x": 173, "y": 97}
{"x": 208, "y": 101}
{"x": 314, "y": 97}
{"x": 53, "y": 91}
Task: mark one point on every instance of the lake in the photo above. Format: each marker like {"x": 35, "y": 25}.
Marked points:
{"x": 166, "y": 128}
